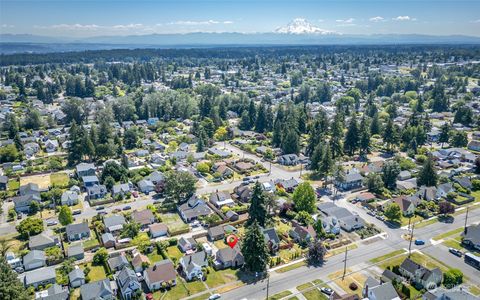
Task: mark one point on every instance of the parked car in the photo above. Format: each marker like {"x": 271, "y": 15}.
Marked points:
{"x": 100, "y": 207}
{"x": 419, "y": 242}
{"x": 455, "y": 252}
{"x": 76, "y": 211}
{"x": 214, "y": 296}
{"x": 135, "y": 194}
{"x": 128, "y": 207}
{"x": 326, "y": 290}
{"x": 19, "y": 270}
{"x": 52, "y": 222}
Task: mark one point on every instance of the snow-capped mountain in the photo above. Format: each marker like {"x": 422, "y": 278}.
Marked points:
{"x": 302, "y": 26}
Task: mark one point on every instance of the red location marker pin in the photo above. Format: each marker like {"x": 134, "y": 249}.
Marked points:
{"x": 232, "y": 240}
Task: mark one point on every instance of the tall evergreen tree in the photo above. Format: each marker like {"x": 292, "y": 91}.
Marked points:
{"x": 428, "y": 175}
{"x": 257, "y": 211}
{"x": 254, "y": 249}
{"x": 261, "y": 122}
{"x": 11, "y": 288}
{"x": 336, "y": 137}
{"x": 444, "y": 134}
{"x": 351, "y": 143}
{"x": 390, "y": 134}
{"x": 364, "y": 136}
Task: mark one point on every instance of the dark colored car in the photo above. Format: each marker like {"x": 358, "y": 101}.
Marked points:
{"x": 419, "y": 242}
{"x": 455, "y": 252}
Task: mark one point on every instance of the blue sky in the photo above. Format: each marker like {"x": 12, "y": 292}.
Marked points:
{"x": 122, "y": 17}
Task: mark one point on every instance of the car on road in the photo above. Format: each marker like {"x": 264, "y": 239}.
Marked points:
{"x": 370, "y": 213}
{"x": 419, "y": 242}
{"x": 100, "y": 207}
{"x": 102, "y": 212}
{"x": 326, "y": 290}
{"x": 256, "y": 177}
{"x": 455, "y": 252}
{"x": 128, "y": 207}
{"x": 214, "y": 296}
{"x": 76, "y": 211}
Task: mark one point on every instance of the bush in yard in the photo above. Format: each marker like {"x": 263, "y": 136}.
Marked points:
{"x": 476, "y": 184}
{"x": 452, "y": 278}
{"x": 353, "y": 286}
{"x": 30, "y": 226}
{"x": 172, "y": 242}
{"x": 304, "y": 217}
{"x": 100, "y": 257}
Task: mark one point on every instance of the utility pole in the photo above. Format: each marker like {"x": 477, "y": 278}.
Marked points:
{"x": 409, "y": 222}
{"x": 270, "y": 172}
{"x": 466, "y": 219}
{"x": 345, "y": 263}
{"x": 268, "y": 283}
{"x": 410, "y": 244}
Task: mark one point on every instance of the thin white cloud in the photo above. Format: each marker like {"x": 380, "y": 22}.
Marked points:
{"x": 404, "y": 18}
{"x": 345, "y": 21}
{"x": 196, "y": 23}
{"x": 476, "y": 21}
{"x": 7, "y": 26}
{"x": 376, "y": 19}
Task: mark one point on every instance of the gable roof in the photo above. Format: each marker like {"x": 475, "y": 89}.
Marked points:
{"x": 161, "y": 271}
{"x": 96, "y": 290}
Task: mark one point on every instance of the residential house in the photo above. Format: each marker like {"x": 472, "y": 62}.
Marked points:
{"x": 351, "y": 223}
{"x": 242, "y": 193}
{"x": 377, "y": 290}
{"x": 77, "y": 232}
{"x": 54, "y": 292}
{"x": 231, "y": 215}
{"x": 352, "y": 181}
{"x": 85, "y": 169}
{"x": 34, "y": 259}
{"x": 146, "y": 186}
{"x": 144, "y": 218}
{"x": 192, "y": 265}
{"x": 96, "y": 192}
{"x": 51, "y": 146}
{"x": 187, "y": 243}
{"x": 271, "y": 239}
{"x": 101, "y": 289}
{"x": 404, "y": 175}
{"x": 343, "y": 216}
{"x": 41, "y": 277}
{"x": 90, "y": 180}
{"x": 220, "y": 199}
{"x": 42, "y": 241}
{"x": 288, "y": 185}
{"x": 156, "y": 177}
{"x": 330, "y": 224}
{"x": 108, "y": 240}
{"x": 471, "y": 236}
{"x": 474, "y": 145}
{"x": 3, "y": 183}
{"x": 120, "y": 189}
{"x": 69, "y": 198}
{"x": 288, "y": 160}
{"x": 158, "y": 230}
{"x": 229, "y": 258}
{"x": 127, "y": 283}
{"x": 76, "y": 252}
{"x": 23, "y": 204}
{"x": 222, "y": 169}
{"x": 117, "y": 262}
{"x": 216, "y": 233}
{"x": 406, "y": 206}
{"x": 218, "y": 152}
{"x": 193, "y": 209}
{"x": 114, "y": 224}
{"x": 302, "y": 234}
{"x": 139, "y": 261}
{"x": 76, "y": 277}
{"x": 457, "y": 293}
{"x": 419, "y": 275}
{"x": 161, "y": 274}
{"x": 29, "y": 189}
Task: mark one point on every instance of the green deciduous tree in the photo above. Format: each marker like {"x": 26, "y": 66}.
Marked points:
{"x": 100, "y": 257}
{"x": 316, "y": 253}
{"x": 30, "y": 226}
{"x": 304, "y": 198}
{"x": 452, "y": 278}
{"x": 393, "y": 212}
{"x": 65, "y": 216}
{"x": 390, "y": 171}
{"x": 179, "y": 186}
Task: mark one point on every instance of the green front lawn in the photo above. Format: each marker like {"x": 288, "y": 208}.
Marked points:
{"x": 221, "y": 277}
{"x": 96, "y": 272}
{"x": 291, "y": 267}
{"x": 419, "y": 258}
{"x": 387, "y": 256}
{"x": 280, "y": 295}
{"x": 59, "y": 179}
{"x": 447, "y": 234}
{"x": 154, "y": 256}
{"x": 174, "y": 252}
{"x": 13, "y": 184}
{"x": 314, "y": 294}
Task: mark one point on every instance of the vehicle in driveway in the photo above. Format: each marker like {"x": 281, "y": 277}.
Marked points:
{"x": 76, "y": 212}
{"x": 455, "y": 252}
{"x": 52, "y": 222}
{"x": 135, "y": 194}
{"x": 419, "y": 242}
{"x": 326, "y": 290}
{"x": 100, "y": 207}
